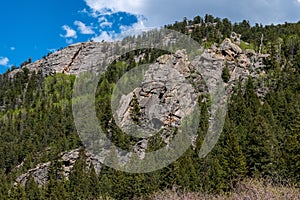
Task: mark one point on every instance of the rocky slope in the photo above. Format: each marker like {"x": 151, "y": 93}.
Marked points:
{"x": 70, "y": 60}
{"x": 67, "y": 160}
{"x": 167, "y": 92}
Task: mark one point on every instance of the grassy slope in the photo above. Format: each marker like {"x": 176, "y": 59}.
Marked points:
{"x": 248, "y": 189}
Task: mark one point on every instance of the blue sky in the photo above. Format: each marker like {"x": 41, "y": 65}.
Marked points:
{"x": 35, "y": 27}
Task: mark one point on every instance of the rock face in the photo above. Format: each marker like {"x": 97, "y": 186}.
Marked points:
{"x": 241, "y": 63}
{"x": 89, "y": 55}
{"x": 67, "y": 159}
{"x": 235, "y": 38}
{"x": 165, "y": 96}
{"x": 39, "y": 174}
{"x": 70, "y": 60}
{"x": 167, "y": 93}
{"x": 230, "y": 49}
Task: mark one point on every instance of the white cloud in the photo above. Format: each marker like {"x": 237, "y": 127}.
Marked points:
{"x": 102, "y": 19}
{"x": 105, "y": 24}
{"x": 164, "y": 12}
{"x": 83, "y": 11}
{"x": 84, "y": 29}
{"x": 4, "y": 61}
{"x": 102, "y": 10}
{"x": 52, "y": 50}
{"x": 156, "y": 13}
{"x": 106, "y": 36}
{"x": 104, "y": 6}
{"x": 12, "y": 48}
{"x": 135, "y": 29}
{"x": 69, "y": 41}
{"x": 70, "y": 33}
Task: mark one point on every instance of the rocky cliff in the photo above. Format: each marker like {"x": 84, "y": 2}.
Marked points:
{"x": 70, "y": 60}
{"x": 168, "y": 92}
{"x": 67, "y": 160}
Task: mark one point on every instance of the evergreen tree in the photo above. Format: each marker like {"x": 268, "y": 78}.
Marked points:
{"x": 17, "y": 193}
{"x": 3, "y": 185}
{"x": 94, "y": 184}
{"x": 135, "y": 110}
{"x": 233, "y": 161}
{"x": 226, "y": 73}
{"x": 292, "y": 148}
{"x": 261, "y": 148}
{"x": 213, "y": 178}
{"x": 251, "y": 98}
{"x": 56, "y": 187}
{"x": 32, "y": 190}
{"x": 78, "y": 180}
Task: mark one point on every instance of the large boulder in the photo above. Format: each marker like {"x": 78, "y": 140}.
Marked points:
{"x": 243, "y": 61}
{"x": 230, "y": 49}
{"x": 235, "y": 38}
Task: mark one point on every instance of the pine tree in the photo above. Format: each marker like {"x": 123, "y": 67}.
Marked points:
{"x": 251, "y": 99}
{"x": 213, "y": 178}
{"x": 78, "y": 178}
{"x": 233, "y": 161}
{"x": 56, "y": 187}
{"x": 226, "y": 74}
{"x": 237, "y": 109}
{"x": 135, "y": 110}
{"x": 261, "y": 148}
{"x": 3, "y": 184}
{"x": 17, "y": 193}
{"x": 94, "y": 184}
{"x": 185, "y": 171}
{"x": 31, "y": 189}
{"x": 112, "y": 178}
{"x": 292, "y": 147}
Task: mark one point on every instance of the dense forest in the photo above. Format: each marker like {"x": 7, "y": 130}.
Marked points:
{"x": 260, "y": 138}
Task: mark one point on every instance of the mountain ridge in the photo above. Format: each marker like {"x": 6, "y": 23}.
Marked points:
{"x": 241, "y": 64}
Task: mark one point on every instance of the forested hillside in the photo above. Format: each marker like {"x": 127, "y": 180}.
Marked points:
{"x": 260, "y": 138}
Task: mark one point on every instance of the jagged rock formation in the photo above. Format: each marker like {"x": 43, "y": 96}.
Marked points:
{"x": 242, "y": 64}
{"x": 80, "y": 56}
{"x": 165, "y": 96}
{"x": 39, "y": 174}
{"x": 230, "y": 49}
{"x": 235, "y": 38}
{"x": 166, "y": 93}
{"x": 67, "y": 159}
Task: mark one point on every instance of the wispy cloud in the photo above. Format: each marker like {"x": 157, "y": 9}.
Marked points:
{"x": 84, "y": 29}
{"x": 4, "y": 61}
{"x": 69, "y": 41}
{"x": 51, "y": 50}
{"x": 135, "y": 29}
{"x": 116, "y": 19}
{"x": 70, "y": 33}
{"x": 83, "y": 11}
{"x": 104, "y": 6}
{"x": 12, "y": 48}
{"x": 106, "y": 24}
{"x": 164, "y": 12}
{"x": 105, "y": 36}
